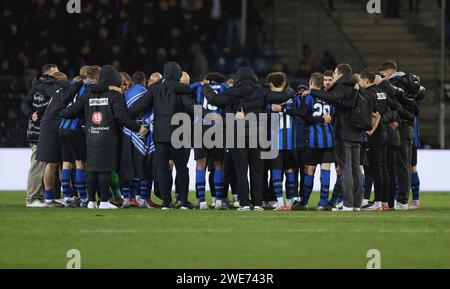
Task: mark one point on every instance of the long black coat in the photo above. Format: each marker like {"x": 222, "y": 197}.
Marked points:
{"x": 105, "y": 112}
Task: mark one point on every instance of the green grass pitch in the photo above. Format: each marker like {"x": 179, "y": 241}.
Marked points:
{"x": 136, "y": 238}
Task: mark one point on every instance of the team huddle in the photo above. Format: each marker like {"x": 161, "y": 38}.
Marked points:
{"x": 105, "y": 139}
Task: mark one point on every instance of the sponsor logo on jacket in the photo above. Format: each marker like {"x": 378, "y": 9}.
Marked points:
{"x": 97, "y": 117}
{"x": 98, "y": 101}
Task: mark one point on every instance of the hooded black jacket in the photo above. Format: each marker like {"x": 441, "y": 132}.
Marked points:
{"x": 105, "y": 112}
{"x": 37, "y": 100}
{"x": 345, "y": 97}
{"x": 165, "y": 97}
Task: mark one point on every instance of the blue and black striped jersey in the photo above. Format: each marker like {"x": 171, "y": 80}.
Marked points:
{"x": 75, "y": 123}
{"x": 200, "y": 99}
{"x": 301, "y": 126}
{"x": 286, "y": 127}
{"x": 145, "y": 145}
{"x": 320, "y": 135}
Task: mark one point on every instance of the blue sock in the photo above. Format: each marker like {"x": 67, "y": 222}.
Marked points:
{"x": 415, "y": 186}
{"x": 218, "y": 183}
{"x": 73, "y": 181}
{"x": 144, "y": 189}
{"x": 200, "y": 182}
{"x": 277, "y": 179}
{"x": 291, "y": 189}
{"x": 49, "y": 195}
{"x": 337, "y": 191}
{"x": 65, "y": 183}
{"x": 126, "y": 191}
{"x": 134, "y": 188}
{"x": 324, "y": 187}
{"x": 80, "y": 183}
{"x": 308, "y": 187}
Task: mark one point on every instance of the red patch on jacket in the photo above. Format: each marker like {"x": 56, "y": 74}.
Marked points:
{"x": 97, "y": 117}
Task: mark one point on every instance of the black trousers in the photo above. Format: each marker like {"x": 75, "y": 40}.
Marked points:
{"x": 245, "y": 159}
{"x": 98, "y": 182}
{"x": 268, "y": 193}
{"x": 378, "y": 167}
{"x": 404, "y": 163}
{"x": 392, "y": 153}
{"x": 163, "y": 153}
{"x": 229, "y": 180}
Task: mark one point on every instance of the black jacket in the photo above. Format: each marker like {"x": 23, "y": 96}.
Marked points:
{"x": 105, "y": 112}
{"x": 344, "y": 96}
{"x": 37, "y": 100}
{"x": 165, "y": 97}
{"x": 61, "y": 93}
{"x": 405, "y": 96}
{"x": 405, "y": 106}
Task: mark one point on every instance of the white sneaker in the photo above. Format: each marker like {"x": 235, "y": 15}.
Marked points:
{"x": 36, "y": 204}
{"x": 92, "y": 205}
{"x": 357, "y": 209}
{"x": 204, "y": 206}
{"x": 107, "y": 206}
{"x": 243, "y": 209}
{"x": 272, "y": 204}
{"x": 220, "y": 206}
{"x": 401, "y": 207}
{"x": 377, "y": 206}
{"x": 126, "y": 203}
{"x": 342, "y": 209}
{"x": 258, "y": 209}
{"x": 365, "y": 202}
{"x": 143, "y": 204}
{"x": 415, "y": 205}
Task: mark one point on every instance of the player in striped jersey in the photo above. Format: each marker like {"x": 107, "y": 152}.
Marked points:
{"x": 286, "y": 161}
{"x": 214, "y": 156}
{"x": 319, "y": 145}
{"x": 73, "y": 142}
{"x": 137, "y": 150}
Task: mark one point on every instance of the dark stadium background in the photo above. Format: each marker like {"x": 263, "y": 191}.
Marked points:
{"x": 296, "y": 37}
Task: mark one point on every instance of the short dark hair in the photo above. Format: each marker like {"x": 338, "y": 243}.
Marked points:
{"x": 277, "y": 79}
{"x": 389, "y": 64}
{"x": 329, "y": 73}
{"x": 367, "y": 74}
{"x": 47, "y": 67}
{"x": 216, "y": 77}
{"x": 344, "y": 68}
{"x": 139, "y": 77}
{"x": 93, "y": 71}
{"x": 317, "y": 79}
